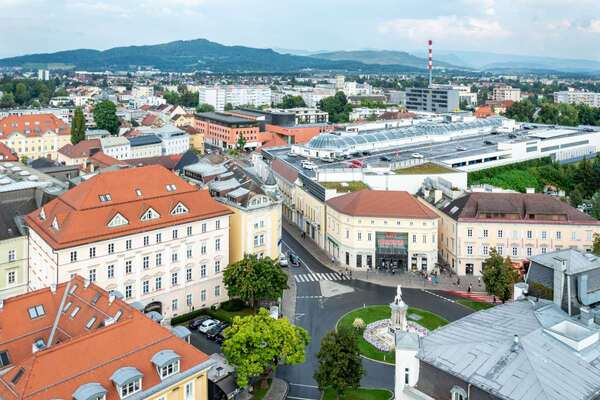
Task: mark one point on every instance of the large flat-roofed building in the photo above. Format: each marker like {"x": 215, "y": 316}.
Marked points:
{"x": 591, "y": 99}
{"x": 506, "y": 93}
{"x": 77, "y": 341}
{"x": 235, "y": 95}
{"x": 224, "y": 130}
{"x": 517, "y": 225}
{"x": 381, "y": 229}
{"x": 142, "y": 231}
{"x": 34, "y": 136}
{"x": 435, "y": 100}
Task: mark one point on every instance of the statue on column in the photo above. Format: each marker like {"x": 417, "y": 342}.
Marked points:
{"x": 398, "y": 322}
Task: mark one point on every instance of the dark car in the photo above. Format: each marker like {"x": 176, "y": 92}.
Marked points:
{"x": 219, "y": 338}
{"x": 214, "y": 331}
{"x": 488, "y": 142}
{"x": 385, "y": 158}
{"x": 198, "y": 321}
{"x": 294, "y": 260}
{"x": 512, "y": 136}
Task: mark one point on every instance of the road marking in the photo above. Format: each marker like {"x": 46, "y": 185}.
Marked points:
{"x": 303, "y": 385}
{"x": 309, "y": 297}
{"x": 318, "y": 277}
{"x": 299, "y": 398}
{"x": 437, "y": 295}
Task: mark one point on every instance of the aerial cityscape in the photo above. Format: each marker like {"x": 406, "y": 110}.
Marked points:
{"x": 343, "y": 200}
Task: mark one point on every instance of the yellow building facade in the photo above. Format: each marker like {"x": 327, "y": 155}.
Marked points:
{"x": 32, "y": 147}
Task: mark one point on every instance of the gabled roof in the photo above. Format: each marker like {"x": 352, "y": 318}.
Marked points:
{"x": 380, "y": 204}
{"x": 81, "y": 359}
{"x": 80, "y": 150}
{"x": 6, "y": 154}
{"x": 33, "y": 125}
{"x": 83, "y": 213}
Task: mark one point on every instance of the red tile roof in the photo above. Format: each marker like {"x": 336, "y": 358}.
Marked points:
{"x": 6, "y": 154}
{"x": 80, "y": 355}
{"x": 287, "y": 172}
{"x": 381, "y": 204}
{"x": 102, "y": 160}
{"x": 33, "y": 125}
{"x": 83, "y": 218}
{"x": 82, "y": 149}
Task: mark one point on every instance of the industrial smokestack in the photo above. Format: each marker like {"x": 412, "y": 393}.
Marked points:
{"x": 430, "y": 64}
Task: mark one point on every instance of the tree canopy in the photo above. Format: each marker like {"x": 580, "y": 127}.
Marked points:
{"x": 257, "y": 343}
{"x": 290, "y": 101}
{"x": 499, "y": 276}
{"x": 77, "y": 126}
{"x": 105, "y": 116}
{"x": 340, "y": 366}
{"x": 204, "y": 108}
{"x": 24, "y": 92}
{"x": 545, "y": 112}
{"x": 337, "y": 107}
{"x": 253, "y": 279}
{"x": 183, "y": 98}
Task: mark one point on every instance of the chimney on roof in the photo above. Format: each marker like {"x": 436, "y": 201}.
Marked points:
{"x": 53, "y": 288}
{"x": 515, "y": 346}
{"x": 109, "y": 321}
{"x": 586, "y": 316}
{"x": 111, "y": 297}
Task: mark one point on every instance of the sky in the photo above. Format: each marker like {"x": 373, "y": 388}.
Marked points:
{"x": 567, "y": 29}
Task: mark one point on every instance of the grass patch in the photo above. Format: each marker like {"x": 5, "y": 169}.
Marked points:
{"x": 260, "y": 392}
{"x": 425, "y": 168}
{"x": 345, "y": 187}
{"x": 359, "y": 394}
{"x": 375, "y": 313}
{"x": 228, "y": 315}
{"x": 474, "y": 305}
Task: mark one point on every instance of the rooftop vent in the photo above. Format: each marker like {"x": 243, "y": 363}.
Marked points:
{"x": 576, "y": 336}
{"x": 515, "y": 345}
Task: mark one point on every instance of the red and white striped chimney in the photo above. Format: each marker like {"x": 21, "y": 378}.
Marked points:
{"x": 430, "y": 64}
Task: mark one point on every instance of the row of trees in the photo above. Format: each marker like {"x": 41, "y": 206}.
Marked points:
{"x": 545, "y": 112}
{"x": 28, "y": 92}
{"x": 290, "y": 101}
{"x": 337, "y": 107}
{"x": 183, "y": 98}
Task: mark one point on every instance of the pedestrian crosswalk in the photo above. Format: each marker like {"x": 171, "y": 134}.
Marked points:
{"x": 317, "y": 277}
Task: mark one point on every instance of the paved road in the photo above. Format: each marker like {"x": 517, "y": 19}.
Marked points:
{"x": 318, "y": 315}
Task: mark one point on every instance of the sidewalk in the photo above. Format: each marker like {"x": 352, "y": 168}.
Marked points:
{"x": 407, "y": 279}
{"x": 278, "y": 390}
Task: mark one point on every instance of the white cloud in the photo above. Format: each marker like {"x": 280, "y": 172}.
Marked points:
{"x": 449, "y": 27}
{"x": 593, "y": 26}
{"x": 560, "y": 25}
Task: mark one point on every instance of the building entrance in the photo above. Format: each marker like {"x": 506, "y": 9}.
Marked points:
{"x": 391, "y": 251}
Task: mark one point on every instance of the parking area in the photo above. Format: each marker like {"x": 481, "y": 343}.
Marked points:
{"x": 200, "y": 341}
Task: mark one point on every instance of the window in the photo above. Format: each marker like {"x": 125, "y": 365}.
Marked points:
{"x": 515, "y": 251}
{"x": 204, "y": 227}
{"x": 104, "y": 197}
{"x": 203, "y": 248}
{"x": 189, "y": 391}
{"x": 558, "y": 235}
{"x": 203, "y": 295}
{"x": 145, "y": 287}
{"x": 36, "y": 311}
{"x": 169, "y": 369}
{"x": 217, "y": 244}
{"x": 158, "y": 283}
{"x": 369, "y": 236}
{"x": 406, "y": 375}
{"x": 174, "y": 279}
{"x": 217, "y": 291}
{"x": 90, "y": 323}
{"x": 189, "y": 231}
{"x": 4, "y": 360}
{"x": 128, "y": 291}
{"x": 174, "y": 304}
{"x": 158, "y": 259}
{"x": 470, "y": 250}
{"x": 529, "y": 234}
{"x": 573, "y": 235}
{"x": 174, "y": 233}
{"x": 146, "y": 240}
{"x": 203, "y": 271}
{"x": 179, "y": 209}
{"x": 128, "y": 244}
{"x": 92, "y": 252}
{"x": 171, "y": 188}
{"x": 188, "y": 253}
{"x": 424, "y": 238}
{"x": 543, "y": 250}
{"x": 469, "y": 232}
{"x": 74, "y": 312}
{"x": 110, "y": 271}
{"x": 128, "y": 267}
{"x": 485, "y": 233}
{"x": 458, "y": 393}
{"x": 529, "y": 252}
{"x": 218, "y": 224}
{"x": 500, "y": 233}
{"x": 188, "y": 274}
{"x": 11, "y": 277}
{"x": 73, "y": 256}
{"x": 414, "y": 238}
{"x": 92, "y": 275}
{"x": 188, "y": 299}
{"x": 544, "y": 235}
{"x": 111, "y": 248}
{"x": 217, "y": 266}
{"x": 485, "y": 250}
{"x": 158, "y": 237}
{"x": 146, "y": 262}
{"x": 150, "y": 214}
{"x": 359, "y": 235}
{"x": 174, "y": 256}
{"x": 499, "y": 249}
{"x": 130, "y": 388}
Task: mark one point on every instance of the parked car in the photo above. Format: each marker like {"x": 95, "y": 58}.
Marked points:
{"x": 461, "y": 148}
{"x": 215, "y": 330}
{"x": 219, "y": 337}
{"x": 194, "y": 324}
{"x": 290, "y": 154}
{"x": 416, "y": 155}
{"x": 366, "y": 153}
{"x": 512, "y": 136}
{"x": 274, "y": 312}
{"x": 283, "y": 260}
{"x": 327, "y": 159}
{"x": 488, "y": 142}
{"x": 385, "y": 158}
{"x": 206, "y": 325}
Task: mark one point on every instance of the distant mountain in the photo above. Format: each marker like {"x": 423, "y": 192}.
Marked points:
{"x": 383, "y": 57}
{"x": 192, "y": 55}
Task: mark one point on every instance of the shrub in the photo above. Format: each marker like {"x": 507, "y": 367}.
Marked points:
{"x": 188, "y": 316}
{"x": 233, "y": 305}
{"x": 538, "y": 290}
{"x": 358, "y": 324}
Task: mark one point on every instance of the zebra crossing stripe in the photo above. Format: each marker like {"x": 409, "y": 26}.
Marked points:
{"x": 332, "y": 276}
{"x": 322, "y": 276}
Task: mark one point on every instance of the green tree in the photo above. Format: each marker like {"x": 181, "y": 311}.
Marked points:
{"x": 105, "y": 116}
{"x": 499, "y": 276}
{"x": 241, "y": 142}
{"x": 596, "y": 205}
{"x": 78, "y": 126}
{"x": 204, "y": 108}
{"x": 21, "y": 93}
{"x": 521, "y": 111}
{"x": 7, "y": 101}
{"x": 257, "y": 344}
{"x": 290, "y": 101}
{"x": 596, "y": 245}
{"x": 340, "y": 366}
{"x": 253, "y": 279}
{"x": 228, "y": 107}
{"x": 172, "y": 97}
{"x": 337, "y": 107}
{"x": 576, "y": 197}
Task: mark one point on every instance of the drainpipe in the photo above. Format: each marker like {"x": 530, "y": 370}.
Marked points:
{"x": 569, "y": 294}
{"x": 469, "y": 391}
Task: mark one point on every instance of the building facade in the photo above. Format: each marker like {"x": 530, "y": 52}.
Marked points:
{"x": 516, "y": 225}
{"x": 235, "y": 95}
{"x": 117, "y": 147}
{"x": 224, "y": 131}
{"x": 506, "y": 93}
{"x": 435, "y": 100}
{"x": 34, "y": 136}
{"x": 577, "y": 97}
{"x": 158, "y": 241}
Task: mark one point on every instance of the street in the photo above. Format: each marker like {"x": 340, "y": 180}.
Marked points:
{"x": 318, "y": 313}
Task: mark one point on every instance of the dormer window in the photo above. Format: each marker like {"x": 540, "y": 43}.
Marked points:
{"x": 105, "y": 197}
{"x": 36, "y": 311}
{"x": 90, "y": 391}
{"x": 55, "y": 224}
{"x": 166, "y": 363}
{"x": 4, "y": 359}
{"x": 128, "y": 380}
{"x": 117, "y": 220}
{"x": 42, "y": 214}
{"x": 150, "y": 214}
{"x": 138, "y": 192}
{"x": 130, "y": 388}
{"x": 169, "y": 369}
{"x": 179, "y": 209}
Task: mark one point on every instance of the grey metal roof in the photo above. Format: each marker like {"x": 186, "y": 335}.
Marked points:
{"x": 89, "y": 391}
{"x": 574, "y": 261}
{"x": 407, "y": 340}
{"x": 206, "y": 169}
{"x": 181, "y": 331}
{"x": 125, "y": 375}
{"x": 164, "y": 357}
{"x": 480, "y": 349}
{"x": 144, "y": 140}
{"x": 224, "y": 185}
{"x": 138, "y": 305}
{"x": 239, "y": 192}
{"x": 154, "y": 316}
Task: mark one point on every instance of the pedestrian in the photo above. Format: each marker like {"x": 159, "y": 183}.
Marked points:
{"x": 494, "y": 299}
{"x": 469, "y": 288}
{"x": 479, "y": 280}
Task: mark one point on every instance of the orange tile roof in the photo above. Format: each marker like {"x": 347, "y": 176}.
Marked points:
{"x": 79, "y": 354}
{"x": 83, "y": 218}
{"x": 33, "y": 125}
{"x": 6, "y": 154}
{"x": 81, "y": 149}
{"x": 102, "y": 160}
{"x": 381, "y": 204}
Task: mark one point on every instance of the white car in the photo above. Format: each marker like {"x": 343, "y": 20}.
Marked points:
{"x": 309, "y": 166}
{"x": 416, "y": 155}
{"x": 206, "y": 325}
{"x": 283, "y": 260}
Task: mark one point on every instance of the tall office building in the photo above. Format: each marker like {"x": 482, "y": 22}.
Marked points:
{"x": 236, "y": 95}
{"x": 437, "y": 100}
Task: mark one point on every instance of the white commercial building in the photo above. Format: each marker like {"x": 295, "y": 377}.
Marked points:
{"x": 173, "y": 139}
{"x": 142, "y": 91}
{"x": 116, "y": 147}
{"x": 236, "y": 95}
{"x": 506, "y": 93}
{"x": 591, "y": 99}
